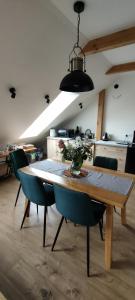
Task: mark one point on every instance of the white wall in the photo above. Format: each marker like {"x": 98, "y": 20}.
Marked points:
{"x": 119, "y": 114}
{"x": 35, "y": 43}
{"x": 119, "y": 118}
{"x": 87, "y": 117}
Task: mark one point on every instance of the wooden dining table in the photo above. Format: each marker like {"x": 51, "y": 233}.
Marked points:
{"x": 102, "y": 194}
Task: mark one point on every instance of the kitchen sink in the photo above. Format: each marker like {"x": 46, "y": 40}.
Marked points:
{"x": 122, "y": 143}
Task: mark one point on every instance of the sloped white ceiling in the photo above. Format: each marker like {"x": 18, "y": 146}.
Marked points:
{"x": 35, "y": 41}
{"x": 100, "y": 17}
{"x": 121, "y": 55}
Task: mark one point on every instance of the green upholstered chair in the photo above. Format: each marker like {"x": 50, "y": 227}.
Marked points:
{"x": 78, "y": 208}
{"x": 106, "y": 162}
{"x": 36, "y": 192}
{"x": 18, "y": 160}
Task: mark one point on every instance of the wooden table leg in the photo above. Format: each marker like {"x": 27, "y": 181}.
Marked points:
{"x": 108, "y": 237}
{"x": 28, "y": 214}
{"x": 123, "y": 216}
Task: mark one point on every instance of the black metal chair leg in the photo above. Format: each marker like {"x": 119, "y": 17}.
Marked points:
{"x": 18, "y": 194}
{"x": 25, "y": 213}
{"x": 37, "y": 209}
{"x": 7, "y": 172}
{"x": 58, "y": 230}
{"x": 102, "y": 221}
{"x": 101, "y": 229}
{"x": 115, "y": 209}
{"x": 88, "y": 251}
{"x": 44, "y": 229}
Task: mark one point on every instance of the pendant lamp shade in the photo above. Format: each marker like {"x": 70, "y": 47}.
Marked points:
{"x": 77, "y": 80}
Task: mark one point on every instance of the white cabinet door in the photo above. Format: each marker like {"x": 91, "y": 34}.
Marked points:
{"x": 51, "y": 148}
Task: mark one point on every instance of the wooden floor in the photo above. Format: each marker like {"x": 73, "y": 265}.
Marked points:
{"x": 28, "y": 271}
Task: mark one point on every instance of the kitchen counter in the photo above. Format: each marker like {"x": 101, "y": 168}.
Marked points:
{"x": 112, "y": 143}
{"x": 59, "y": 138}
{"x": 100, "y": 142}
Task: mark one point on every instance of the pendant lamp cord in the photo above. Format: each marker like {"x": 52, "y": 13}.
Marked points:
{"x": 76, "y": 45}
{"x": 78, "y": 19}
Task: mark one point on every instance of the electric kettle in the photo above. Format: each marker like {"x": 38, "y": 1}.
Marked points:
{"x": 105, "y": 137}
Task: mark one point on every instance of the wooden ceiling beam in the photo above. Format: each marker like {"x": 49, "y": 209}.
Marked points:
{"x": 111, "y": 41}
{"x": 100, "y": 115}
{"x": 122, "y": 68}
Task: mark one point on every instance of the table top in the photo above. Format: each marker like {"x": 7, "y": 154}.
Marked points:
{"x": 6, "y": 153}
{"x": 98, "y": 193}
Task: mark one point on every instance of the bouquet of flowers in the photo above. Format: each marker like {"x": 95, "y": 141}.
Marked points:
{"x": 76, "y": 152}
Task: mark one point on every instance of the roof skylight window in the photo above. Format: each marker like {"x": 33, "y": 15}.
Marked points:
{"x": 59, "y": 104}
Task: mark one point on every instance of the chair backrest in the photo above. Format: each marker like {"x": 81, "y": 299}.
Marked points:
{"x": 77, "y": 206}
{"x": 18, "y": 160}
{"x": 106, "y": 162}
{"x": 35, "y": 191}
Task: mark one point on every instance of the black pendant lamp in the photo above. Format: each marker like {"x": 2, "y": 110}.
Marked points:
{"x": 77, "y": 80}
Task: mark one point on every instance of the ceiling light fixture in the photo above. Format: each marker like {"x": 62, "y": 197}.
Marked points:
{"x": 12, "y": 91}
{"x": 80, "y": 105}
{"x": 47, "y": 97}
{"x": 77, "y": 80}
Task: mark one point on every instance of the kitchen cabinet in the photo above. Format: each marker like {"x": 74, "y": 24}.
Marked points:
{"x": 130, "y": 160}
{"x": 53, "y": 150}
{"x": 108, "y": 149}
{"x": 117, "y": 152}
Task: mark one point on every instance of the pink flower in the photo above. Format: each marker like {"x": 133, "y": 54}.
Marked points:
{"x": 61, "y": 144}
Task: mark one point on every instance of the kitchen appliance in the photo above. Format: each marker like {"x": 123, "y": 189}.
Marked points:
{"x": 71, "y": 133}
{"x": 53, "y": 132}
{"x": 105, "y": 137}
{"x": 68, "y": 133}
{"x": 88, "y": 134}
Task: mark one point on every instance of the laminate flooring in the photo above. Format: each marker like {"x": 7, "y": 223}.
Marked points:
{"x": 30, "y": 272}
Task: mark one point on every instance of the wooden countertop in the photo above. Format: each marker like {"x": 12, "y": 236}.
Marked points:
{"x": 100, "y": 142}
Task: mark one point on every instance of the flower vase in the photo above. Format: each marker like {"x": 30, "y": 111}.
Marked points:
{"x": 76, "y": 166}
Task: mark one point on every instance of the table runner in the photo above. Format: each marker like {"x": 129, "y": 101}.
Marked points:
{"x": 109, "y": 182}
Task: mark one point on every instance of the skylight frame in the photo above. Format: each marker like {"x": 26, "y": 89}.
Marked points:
{"x": 55, "y": 109}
